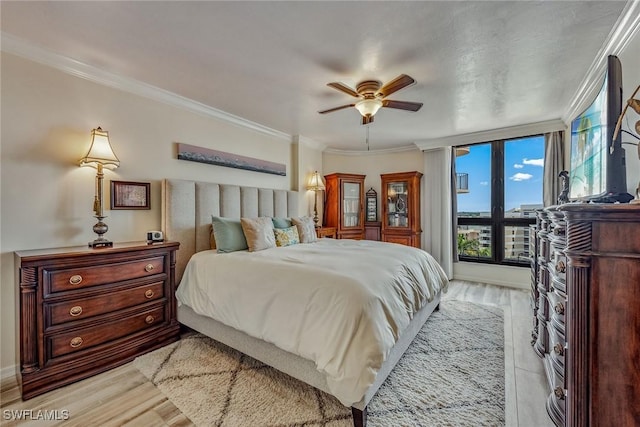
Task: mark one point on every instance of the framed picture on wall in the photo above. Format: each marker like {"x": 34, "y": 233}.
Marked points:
{"x": 130, "y": 195}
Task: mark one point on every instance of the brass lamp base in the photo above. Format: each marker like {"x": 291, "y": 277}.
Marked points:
{"x": 100, "y": 228}
{"x": 101, "y": 243}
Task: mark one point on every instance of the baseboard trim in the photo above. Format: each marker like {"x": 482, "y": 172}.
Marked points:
{"x": 500, "y": 275}
{"x": 492, "y": 281}
{"x": 8, "y": 376}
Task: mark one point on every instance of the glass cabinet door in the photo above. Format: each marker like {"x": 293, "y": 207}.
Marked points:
{"x": 397, "y": 200}
{"x": 351, "y": 204}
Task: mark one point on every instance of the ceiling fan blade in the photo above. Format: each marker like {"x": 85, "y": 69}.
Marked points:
{"x": 336, "y": 109}
{"x": 402, "y": 105}
{"x": 344, "y": 88}
{"x": 395, "y": 85}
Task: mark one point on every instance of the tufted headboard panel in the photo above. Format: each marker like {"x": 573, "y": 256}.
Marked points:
{"x": 187, "y": 207}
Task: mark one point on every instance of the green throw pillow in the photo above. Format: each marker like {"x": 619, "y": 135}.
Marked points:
{"x": 281, "y": 222}
{"x": 228, "y": 234}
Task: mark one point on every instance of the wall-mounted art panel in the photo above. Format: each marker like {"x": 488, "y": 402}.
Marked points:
{"x": 221, "y": 158}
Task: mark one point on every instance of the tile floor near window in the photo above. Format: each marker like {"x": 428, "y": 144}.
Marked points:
{"x": 123, "y": 396}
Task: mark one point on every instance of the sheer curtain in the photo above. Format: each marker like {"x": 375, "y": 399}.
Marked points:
{"x": 439, "y": 185}
{"x": 553, "y": 165}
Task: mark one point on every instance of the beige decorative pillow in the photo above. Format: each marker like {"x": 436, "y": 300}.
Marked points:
{"x": 306, "y": 229}
{"x": 259, "y": 233}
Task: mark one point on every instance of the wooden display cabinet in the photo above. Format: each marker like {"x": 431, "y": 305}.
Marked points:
{"x": 344, "y": 205}
{"x": 401, "y": 208}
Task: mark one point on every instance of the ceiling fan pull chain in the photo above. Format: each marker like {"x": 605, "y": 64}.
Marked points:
{"x": 367, "y": 141}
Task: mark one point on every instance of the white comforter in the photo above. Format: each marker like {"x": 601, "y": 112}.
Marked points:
{"x": 339, "y": 303}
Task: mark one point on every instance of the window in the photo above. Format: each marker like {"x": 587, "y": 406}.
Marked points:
{"x": 502, "y": 191}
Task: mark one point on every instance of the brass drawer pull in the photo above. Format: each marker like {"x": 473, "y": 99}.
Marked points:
{"x": 75, "y": 311}
{"x": 561, "y": 267}
{"x": 559, "y": 392}
{"x": 149, "y": 293}
{"x": 148, "y": 268}
{"x": 559, "y": 308}
{"x": 76, "y": 279}
{"x": 76, "y": 342}
{"x": 559, "y": 349}
{"x": 149, "y": 319}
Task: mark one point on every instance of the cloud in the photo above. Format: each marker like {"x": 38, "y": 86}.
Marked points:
{"x": 521, "y": 176}
{"x": 534, "y": 162}
{"x": 518, "y": 166}
{"x": 484, "y": 182}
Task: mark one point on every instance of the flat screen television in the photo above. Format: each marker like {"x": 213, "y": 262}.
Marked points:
{"x": 597, "y": 168}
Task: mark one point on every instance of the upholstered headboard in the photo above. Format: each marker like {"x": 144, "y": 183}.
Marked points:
{"x": 187, "y": 207}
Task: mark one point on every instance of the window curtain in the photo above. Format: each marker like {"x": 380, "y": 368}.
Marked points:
{"x": 437, "y": 207}
{"x": 454, "y": 207}
{"x": 553, "y": 165}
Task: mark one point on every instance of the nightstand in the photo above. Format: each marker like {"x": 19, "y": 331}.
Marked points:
{"x": 326, "y": 232}
{"x": 85, "y": 311}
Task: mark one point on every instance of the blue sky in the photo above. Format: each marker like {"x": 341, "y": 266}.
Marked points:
{"x": 523, "y": 174}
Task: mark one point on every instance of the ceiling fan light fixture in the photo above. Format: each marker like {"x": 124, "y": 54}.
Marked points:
{"x": 368, "y": 107}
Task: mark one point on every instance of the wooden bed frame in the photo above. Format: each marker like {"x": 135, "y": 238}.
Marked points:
{"x": 187, "y": 207}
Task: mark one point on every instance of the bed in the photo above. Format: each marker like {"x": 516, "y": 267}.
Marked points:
{"x": 241, "y": 324}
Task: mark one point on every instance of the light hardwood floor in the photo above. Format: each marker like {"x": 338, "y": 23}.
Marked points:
{"x": 123, "y": 396}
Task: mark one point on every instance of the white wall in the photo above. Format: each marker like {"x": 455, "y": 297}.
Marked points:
{"x": 47, "y": 199}
{"x": 309, "y": 160}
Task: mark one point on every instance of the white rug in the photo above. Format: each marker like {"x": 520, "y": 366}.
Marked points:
{"x": 451, "y": 375}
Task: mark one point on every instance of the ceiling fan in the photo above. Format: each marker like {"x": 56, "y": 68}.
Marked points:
{"x": 372, "y": 96}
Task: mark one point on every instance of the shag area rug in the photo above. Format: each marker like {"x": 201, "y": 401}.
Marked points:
{"x": 451, "y": 375}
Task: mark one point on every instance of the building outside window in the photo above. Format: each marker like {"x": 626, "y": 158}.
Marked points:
{"x": 503, "y": 190}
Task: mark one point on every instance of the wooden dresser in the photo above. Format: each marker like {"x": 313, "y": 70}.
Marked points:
{"x": 84, "y": 311}
{"x": 587, "y": 313}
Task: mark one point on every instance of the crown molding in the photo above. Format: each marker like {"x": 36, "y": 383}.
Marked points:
{"x": 371, "y": 152}
{"x": 27, "y": 50}
{"x": 624, "y": 30}
{"x": 492, "y": 135}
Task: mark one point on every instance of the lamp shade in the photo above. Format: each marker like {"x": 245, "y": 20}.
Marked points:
{"x": 100, "y": 151}
{"x": 369, "y": 107}
{"x": 315, "y": 183}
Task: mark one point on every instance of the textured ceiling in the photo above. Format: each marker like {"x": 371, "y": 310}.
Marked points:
{"x": 478, "y": 65}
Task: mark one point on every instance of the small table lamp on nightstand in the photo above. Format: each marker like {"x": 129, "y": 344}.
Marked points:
{"x": 315, "y": 185}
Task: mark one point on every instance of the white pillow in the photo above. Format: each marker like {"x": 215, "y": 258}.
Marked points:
{"x": 259, "y": 233}
{"x": 306, "y": 229}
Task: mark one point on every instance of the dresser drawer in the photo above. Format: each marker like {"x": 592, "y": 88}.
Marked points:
{"x": 557, "y": 310}
{"x": 557, "y": 350}
{"x": 83, "y": 277}
{"x": 82, "y": 308}
{"x": 558, "y": 266}
{"x": 85, "y": 338}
